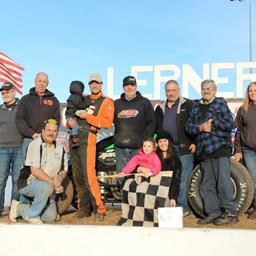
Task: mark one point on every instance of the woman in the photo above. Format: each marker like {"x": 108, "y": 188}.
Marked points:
{"x": 169, "y": 161}
{"x": 246, "y": 136}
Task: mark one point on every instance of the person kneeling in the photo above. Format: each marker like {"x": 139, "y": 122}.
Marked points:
{"x": 40, "y": 179}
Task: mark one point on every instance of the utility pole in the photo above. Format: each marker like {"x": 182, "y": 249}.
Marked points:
{"x": 250, "y": 28}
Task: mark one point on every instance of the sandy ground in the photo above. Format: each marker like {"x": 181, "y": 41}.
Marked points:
{"x": 114, "y": 213}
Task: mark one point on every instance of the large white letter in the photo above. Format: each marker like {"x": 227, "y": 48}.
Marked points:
{"x": 222, "y": 80}
{"x": 241, "y": 77}
{"x": 158, "y": 79}
{"x": 138, "y": 69}
{"x": 189, "y": 76}
{"x": 110, "y": 83}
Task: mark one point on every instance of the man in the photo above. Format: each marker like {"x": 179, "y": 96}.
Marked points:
{"x": 10, "y": 143}
{"x": 48, "y": 163}
{"x": 171, "y": 117}
{"x": 83, "y": 157}
{"x": 134, "y": 121}
{"x": 36, "y": 107}
{"x": 211, "y": 123}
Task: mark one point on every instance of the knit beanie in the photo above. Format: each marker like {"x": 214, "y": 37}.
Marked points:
{"x": 163, "y": 135}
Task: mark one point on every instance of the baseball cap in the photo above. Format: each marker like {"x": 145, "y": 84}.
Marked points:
{"x": 6, "y": 86}
{"x": 95, "y": 78}
{"x": 129, "y": 80}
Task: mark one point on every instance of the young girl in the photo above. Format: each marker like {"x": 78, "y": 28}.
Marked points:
{"x": 169, "y": 161}
{"x": 146, "y": 160}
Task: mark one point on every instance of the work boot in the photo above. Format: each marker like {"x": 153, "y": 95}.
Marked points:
{"x": 207, "y": 220}
{"x": 226, "y": 218}
{"x": 14, "y": 211}
{"x": 82, "y": 214}
{"x": 252, "y": 215}
{"x": 99, "y": 217}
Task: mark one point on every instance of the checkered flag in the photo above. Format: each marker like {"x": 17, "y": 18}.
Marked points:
{"x": 141, "y": 197}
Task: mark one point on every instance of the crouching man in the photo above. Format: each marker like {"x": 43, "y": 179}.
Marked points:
{"x": 48, "y": 164}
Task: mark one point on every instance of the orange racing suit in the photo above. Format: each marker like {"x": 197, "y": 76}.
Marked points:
{"x": 83, "y": 158}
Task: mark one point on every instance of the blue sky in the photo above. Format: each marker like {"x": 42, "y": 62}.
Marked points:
{"x": 71, "y": 39}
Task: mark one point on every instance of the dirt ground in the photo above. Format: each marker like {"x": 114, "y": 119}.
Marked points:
{"x": 114, "y": 213}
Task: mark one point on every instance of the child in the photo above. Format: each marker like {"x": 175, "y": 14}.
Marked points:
{"x": 76, "y": 101}
{"x": 146, "y": 159}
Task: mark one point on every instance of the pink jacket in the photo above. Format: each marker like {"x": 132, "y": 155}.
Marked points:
{"x": 150, "y": 161}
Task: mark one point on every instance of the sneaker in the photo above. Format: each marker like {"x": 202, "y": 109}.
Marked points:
{"x": 35, "y": 220}
{"x": 99, "y": 217}
{"x": 82, "y": 214}
{"x": 252, "y": 215}
{"x": 226, "y": 218}
{"x": 207, "y": 220}
{"x": 58, "y": 217}
{"x": 14, "y": 211}
{"x": 187, "y": 213}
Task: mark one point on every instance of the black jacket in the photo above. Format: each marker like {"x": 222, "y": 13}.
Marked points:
{"x": 76, "y": 100}
{"x": 183, "y": 110}
{"x": 134, "y": 121}
{"x": 173, "y": 164}
{"x": 33, "y": 110}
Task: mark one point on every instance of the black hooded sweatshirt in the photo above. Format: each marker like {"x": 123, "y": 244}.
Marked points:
{"x": 34, "y": 109}
{"x": 134, "y": 121}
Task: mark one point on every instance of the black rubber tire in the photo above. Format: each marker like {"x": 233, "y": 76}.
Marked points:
{"x": 243, "y": 188}
{"x": 64, "y": 200}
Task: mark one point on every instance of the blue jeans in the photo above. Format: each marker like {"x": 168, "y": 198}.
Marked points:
{"x": 40, "y": 191}
{"x": 10, "y": 160}
{"x": 217, "y": 187}
{"x": 187, "y": 162}
{"x": 25, "y": 144}
{"x": 250, "y": 162}
{"x": 123, "y": 156}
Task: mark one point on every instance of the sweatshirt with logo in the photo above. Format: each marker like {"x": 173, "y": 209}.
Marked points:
{"x": 134, "y": 121}
{"x": 34, "y": 109}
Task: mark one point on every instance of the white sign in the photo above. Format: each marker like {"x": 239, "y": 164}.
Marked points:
{"x": 232, "y": 78}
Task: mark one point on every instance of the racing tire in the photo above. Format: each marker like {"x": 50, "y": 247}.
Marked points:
{"x": 64, "y": 200}
{"x": 243, "y": 188}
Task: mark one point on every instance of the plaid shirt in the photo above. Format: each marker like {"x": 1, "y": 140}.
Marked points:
{"x": 222, "y": 125}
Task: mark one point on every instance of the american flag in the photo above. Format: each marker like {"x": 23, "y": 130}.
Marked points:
{"x": 10, "y": 72}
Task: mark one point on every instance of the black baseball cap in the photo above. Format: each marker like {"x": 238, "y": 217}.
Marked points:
{"x": 129, "y": 80}
{"x": 6, "y": 86}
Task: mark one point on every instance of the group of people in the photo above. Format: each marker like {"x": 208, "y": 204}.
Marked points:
{"x": 187, "y": 131}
